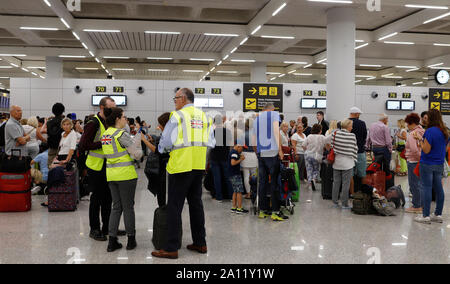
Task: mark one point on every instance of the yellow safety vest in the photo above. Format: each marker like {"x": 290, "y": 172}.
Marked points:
{"x": 189, "y": 151}
{"x": 119, "y": 165}
{"x": 95, "y": 158}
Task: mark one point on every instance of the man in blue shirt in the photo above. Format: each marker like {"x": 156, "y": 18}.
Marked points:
{"x": 266, "y": 132}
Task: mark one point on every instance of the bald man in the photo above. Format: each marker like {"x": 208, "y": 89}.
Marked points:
{"x": 15, "y": 138}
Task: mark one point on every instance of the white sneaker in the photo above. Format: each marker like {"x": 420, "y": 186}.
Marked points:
{"x": 436, "y": 219}
{"x": 36, "y": 189}
{"x": 421, "y": 219}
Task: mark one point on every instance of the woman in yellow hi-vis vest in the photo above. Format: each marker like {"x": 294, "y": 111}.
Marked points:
{"x": 121, "y": 176}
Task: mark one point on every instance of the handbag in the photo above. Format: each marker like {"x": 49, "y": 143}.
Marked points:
{"x": 14, "y": 164}
{"x": 417, "y": 170}
{"x": 331, "y": 157}
{"x": 401, "y": 148}
{"x": 403, "y": 154}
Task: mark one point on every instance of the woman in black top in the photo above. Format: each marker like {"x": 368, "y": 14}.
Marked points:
{"x": 307, "y": 129}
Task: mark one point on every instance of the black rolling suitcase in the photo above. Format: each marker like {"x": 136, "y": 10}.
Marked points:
{"x": 160, "y": 226}
{"x": 326, "y": 175}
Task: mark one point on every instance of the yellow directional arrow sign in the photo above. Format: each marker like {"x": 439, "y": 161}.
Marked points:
{"x": 253, "y": 91}
{"x": 437, "y": 95}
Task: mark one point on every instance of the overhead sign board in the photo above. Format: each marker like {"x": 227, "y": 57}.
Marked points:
{"x": 257, "y": 95}
{"x": 440, "y": 99}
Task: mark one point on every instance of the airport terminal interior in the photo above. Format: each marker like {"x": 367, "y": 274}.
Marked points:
{"x": 306, "y": 64}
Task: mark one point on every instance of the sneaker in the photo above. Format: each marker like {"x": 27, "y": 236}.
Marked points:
{"x": 421, "y": 219}
{"x": 36, "y": 189}
{"x": 346, "y": 207}
{"x": 241, "y": 211}
{"x": 233, "y": 210}
{"x": 436, "y": 219}
{"x": 219, "y": 201}
{"x": 413, "y": 210}
{"x": 279, "y": 217}
{"x": 263, "y": 215}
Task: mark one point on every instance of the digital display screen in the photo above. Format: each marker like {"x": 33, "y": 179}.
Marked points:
{"x": 308, "y": 104}
{"x": 120, "y": 100}
{"x": 321, "y": 103}
{"x": 408, "y": 105}
{"x": 393, "y": 105}
{"x": 201, "y": 102}
{"x": 215, "y": 102}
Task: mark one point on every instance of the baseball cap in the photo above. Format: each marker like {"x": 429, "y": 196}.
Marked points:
{"x": 355, "y": 110}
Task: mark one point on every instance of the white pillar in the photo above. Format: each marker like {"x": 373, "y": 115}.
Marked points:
{"x": 341, "y": 33}
{"x": 53, "y": 68}
{"x": 258, "y": 72}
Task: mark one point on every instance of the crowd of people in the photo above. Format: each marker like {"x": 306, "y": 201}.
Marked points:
{"x": 108, "y": 147}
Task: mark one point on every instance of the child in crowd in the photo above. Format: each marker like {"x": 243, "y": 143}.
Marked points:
{"x": 236, "y": 179}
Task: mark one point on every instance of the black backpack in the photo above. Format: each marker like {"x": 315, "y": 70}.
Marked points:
{"x": 395, "y": 194}
{"x": 2, "y": 135}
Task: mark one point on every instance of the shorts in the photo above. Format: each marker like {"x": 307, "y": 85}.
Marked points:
{"x": 361, "y": 165}
{"x": 237, "y": 184}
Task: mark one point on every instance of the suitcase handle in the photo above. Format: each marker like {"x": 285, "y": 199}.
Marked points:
{"x": 16, "y": 150}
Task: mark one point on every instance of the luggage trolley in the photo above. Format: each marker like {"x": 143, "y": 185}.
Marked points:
{"x": 285, "y": 190}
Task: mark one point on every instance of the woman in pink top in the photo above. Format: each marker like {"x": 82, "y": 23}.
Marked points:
{"x": 413, "y": 157}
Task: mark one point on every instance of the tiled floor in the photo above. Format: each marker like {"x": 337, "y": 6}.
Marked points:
{"x": 316, "y": 233}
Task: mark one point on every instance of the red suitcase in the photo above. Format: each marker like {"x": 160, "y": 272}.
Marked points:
{"x": 15, "y": 192}
{"x": 378, "y": 181}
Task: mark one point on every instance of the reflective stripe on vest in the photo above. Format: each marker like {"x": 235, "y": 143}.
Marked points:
{"x": 95, "y": 158}
{"x": 119, "y": 164}
{"x": 189, "y": 152}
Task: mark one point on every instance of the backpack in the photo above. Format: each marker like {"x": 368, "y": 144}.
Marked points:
{"x": 2, "y": 135}
{"x": 362, "y": 204}
{"x": 395, "y": 194}
{"x": 384, "y": 207}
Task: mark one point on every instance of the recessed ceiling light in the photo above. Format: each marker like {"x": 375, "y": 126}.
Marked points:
{"x": 219, "y": 63}
{"x": 159, "y": 58}
{"x": 243, "y": 60}
{"x": 6, "y": 67}
{"x": 25, "y": 69}
{"x": 363, "y": 76}
{"x": 85, "y": 68}
{"x": 417, "y": 83}
{"x": 163, "y": 33}
{"x": 233, "y": 50}
{"x": 48, "y": 3}
{"x": 278, "y": 37}
{"x": 256, "y": 30}
{"x": 405, "y": 67}
{"x": 228, "y": 72}
{"x": 101, "y": 31}
{"x": 226, "y": 57}
{"x": 201, "y": 59}
{"x": 361, "y": 46}
{"x": 193, "y": 71}
{"x": 71, "y": 56}
{"x": 273, "y": 73}
{"x": 123, "y": 69}
{"x": 14, "y": 65}
{"x": 358, "y": 81}
{"x": 303, "y": 74}
{"x": 441, "y": 44}
{"x": 388, "y": 36}
{"x": 426, "y": 7}
{"x": 435, "y": 65}
{"x": 333, "y": 1}
{"x": 158, "y": 70}
{"x": 38, "y": 28}
{"x": 75, "y": 35}
{"x": 279, "y": 9}
{"x": 116, "y": 57}
{"x": 359, "y": 40}
{"x": 437, "y": 18}
{"x": 91, "y": 53}
{"x": 227, "y": 35}
{"x": 321, "y": 61}
{"x": 13, "y": 55}
{"x": 306, "y": 66}
{"x": 244, "y": 41}
{"x": 293, "y": 71}
{"x": 295, "y": 62}
{"x": 65, "y": 23}
{"x": 411, "y": 70}
{"x": 399, "y": 42}
{"x": 36, "y": 67}
{"x": 370, "y": 65}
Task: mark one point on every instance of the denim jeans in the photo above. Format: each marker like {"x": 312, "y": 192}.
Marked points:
{"x": 341, "y": 179}
{"x": 414, "y": 186}
{"x": 269, "y": 166}
{"x": 431, "y": 178}
{"x": 217, "y": 169}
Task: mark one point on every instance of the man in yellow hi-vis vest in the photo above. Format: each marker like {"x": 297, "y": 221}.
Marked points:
{"x": 187, "y": 136}
{"x": 100, "y": 200}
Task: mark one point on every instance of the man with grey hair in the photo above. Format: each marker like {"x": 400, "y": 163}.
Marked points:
{"x": 380, "y": 140}
{"x": 15, "y": 138}
{"x": 360, "y": 131}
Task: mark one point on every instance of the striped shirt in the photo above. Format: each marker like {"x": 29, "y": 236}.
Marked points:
{"x": 345, "y": 148}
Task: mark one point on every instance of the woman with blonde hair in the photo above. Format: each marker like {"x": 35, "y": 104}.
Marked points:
{"x": 333, "y": 127}
{"x": 400, "y": 147}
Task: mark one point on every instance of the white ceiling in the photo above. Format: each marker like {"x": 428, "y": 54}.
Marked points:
{"x": 306, "y": 21}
